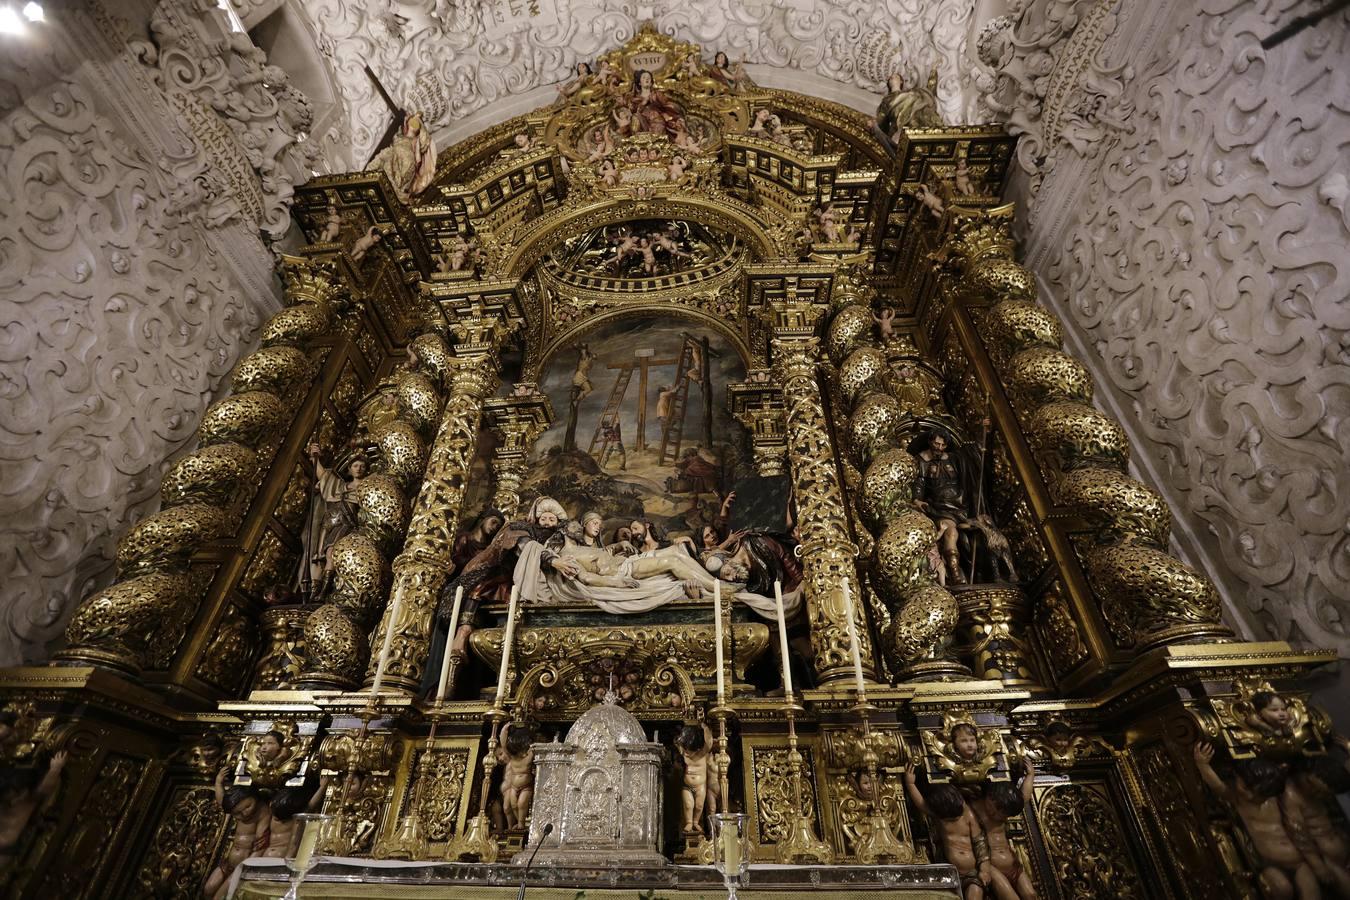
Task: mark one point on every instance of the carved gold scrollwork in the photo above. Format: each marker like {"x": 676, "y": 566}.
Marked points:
{"x": 1086, "y": 845}
{"x": 827, "y": 555}
{"x": 440, "y": 784}
{"x": 773, "y": 779}
{"x": 184, "y": 845}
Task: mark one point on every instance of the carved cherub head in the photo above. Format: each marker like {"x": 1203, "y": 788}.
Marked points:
{"x": 1058, "y": 737}
{"x": 1271, "y": 712}
{"x": 1260, "y": 720}
{"x": 965, "y": 740}
{"x": 962, "y": 748}
{"x": 270, "y": 746}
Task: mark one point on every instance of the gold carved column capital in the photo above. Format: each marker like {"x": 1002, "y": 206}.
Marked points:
{"x": 757, "y": 404}
{"x": 516, "y": 421}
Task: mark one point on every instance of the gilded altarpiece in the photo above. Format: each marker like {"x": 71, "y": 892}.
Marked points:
{"x": 550, "y": 412}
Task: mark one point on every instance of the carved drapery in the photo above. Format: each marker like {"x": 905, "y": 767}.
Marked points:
{"x": 421, "y": 569}
{"x": 827, "y": 555}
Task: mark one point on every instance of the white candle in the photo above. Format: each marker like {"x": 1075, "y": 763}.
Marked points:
{"x": 391, "y": 625}
{"x": 782, "y": 638}
{"x": 717, "y": 621}
{"x": 853, "y": 642}
{"x": 450, "y": 643}
{"x": 506, "y": 645}
{"x": 309, "y": 839}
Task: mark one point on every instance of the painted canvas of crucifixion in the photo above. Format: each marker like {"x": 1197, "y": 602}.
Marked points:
{"x": 641, "y": 426}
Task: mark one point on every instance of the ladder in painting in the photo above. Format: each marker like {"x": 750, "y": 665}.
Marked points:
{"x": 672, "y": 430}
{"x": 610, "y": 415}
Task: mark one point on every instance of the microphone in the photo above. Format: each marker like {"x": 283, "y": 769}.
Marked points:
{"x": 548, "y": 829}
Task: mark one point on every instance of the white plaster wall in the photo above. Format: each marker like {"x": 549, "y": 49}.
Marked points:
{"x": 1199, "y": 250}
{"x": 131, "y": 279}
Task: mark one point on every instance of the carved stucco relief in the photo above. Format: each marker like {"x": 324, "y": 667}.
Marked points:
{"x": 131, "y": 279}
{"x": 447, "y": 62}
{"x": 1200, "y": 247}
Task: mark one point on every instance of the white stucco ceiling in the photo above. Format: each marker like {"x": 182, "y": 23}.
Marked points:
{"x": 454, "y": 60}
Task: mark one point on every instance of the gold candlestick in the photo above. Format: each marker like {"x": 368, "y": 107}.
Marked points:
{"x": 408, "y": 840}
{"x": 721, "y": 713}
{"x": 800, "y": 845}
{"x": 877, "y": 843}
{"x": 477, "y": 843}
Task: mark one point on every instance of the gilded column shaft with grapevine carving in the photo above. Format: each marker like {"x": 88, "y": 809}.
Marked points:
{"x": 827, "y": 557}
{"x": 421, "y": 569}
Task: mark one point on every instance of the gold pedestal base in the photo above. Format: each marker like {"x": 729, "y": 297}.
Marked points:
{"x": 935, "y": 669}
{"x": 698, "y": 850}
{"x": 476, "y": 844}
{"x": 877, "y": 845}
{"x": 407, "y": 842}
{"x": 802, "y": 847}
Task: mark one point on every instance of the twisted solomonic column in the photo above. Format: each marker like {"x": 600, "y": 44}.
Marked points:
{"x": 1146, "y": 596}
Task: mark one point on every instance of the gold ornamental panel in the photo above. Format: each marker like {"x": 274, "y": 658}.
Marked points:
{"x": 1042, "y": 374}
{"x": 850, "y": 323}
{"x": 1079, "y": 435}
{"x": 168, "y": 537}
{"x": 1019, "y": 324}
{"x": 860, "y": 370}
{"x": 296, "y": 326}
{"x": 874, "y": 426}
{"x": 1112, "y": 500}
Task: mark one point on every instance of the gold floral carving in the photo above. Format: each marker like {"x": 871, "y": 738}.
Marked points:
{"x": 184, "y": 845}
{"x": 772, "y": 775}
{"x": 439, "y": 786}
{"x": 1086, "y": 844}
